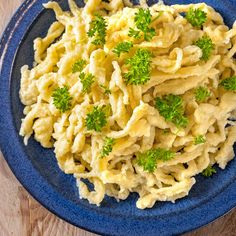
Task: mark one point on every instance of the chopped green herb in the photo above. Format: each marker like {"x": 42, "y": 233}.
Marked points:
{"x": 107, "y": 91}
{"x": 86, "y": 80}
{"x": 143, "y": 19}
{"x": 122, "y": 47}
{"x": 209, "y": 171}
{"x": 148, "y": 160}
{"x": 166, "y": 131}
{"x": 78, "y": 66}
{"x": 196, "y": 17}
{"x": 97, "y": 29}
{"x": 107, "y": 147}
{"x": 199, "y": 140}
{"x": 160, "y": 14}
{"x": 96, "y": 119}
{"x": 107, "y": 110}
{"x": 139, "y": 67}
{"x": 134, "y": 33}
{"x": 207, "y": 46}
{"x": 62, "y": 99}
{"x": 201, "y": 94}
{"x": 171, "y": 108}
{"x": 229, "y": 83}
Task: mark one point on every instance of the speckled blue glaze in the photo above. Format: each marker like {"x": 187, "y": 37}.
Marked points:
{"x": 37, "y": 170}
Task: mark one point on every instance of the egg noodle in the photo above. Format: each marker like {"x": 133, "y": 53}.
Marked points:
{"x": 116, "y": 133}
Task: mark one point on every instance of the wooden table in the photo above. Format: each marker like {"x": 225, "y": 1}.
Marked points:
{"x": 21, "y": 215}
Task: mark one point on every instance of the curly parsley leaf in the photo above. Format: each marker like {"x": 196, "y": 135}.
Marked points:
{"x": 229, "y": 83}
{"x": 97, "y": 29}
{"x": 96, "y": 119}
{"x": 107, "y": 146}
{"x": 143, "y": 19}
{"x": 209, "y": 171}
{"x": 166, "y": 131}
{"x": 171, "y": 108}
{"x": 158, "y": 16}
{"x": 78, "y": 66}
{"x": 107, "y": 91}
{"x": 205, "y": 43}
{"x": 139, "y": 67}
{"x": 62, "y": 99}
{"x": 201, "y": 94}
{"x": 122, "y": 47}
{"x": 86, "y": 80}
{"x": 148, "y": 160}
{"x": 196, "y": 17}
{"x": 199, "y": 140}
{"x": 134, "y": 33}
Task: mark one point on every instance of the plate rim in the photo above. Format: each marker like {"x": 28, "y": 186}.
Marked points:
{"x": 5, "y": 41}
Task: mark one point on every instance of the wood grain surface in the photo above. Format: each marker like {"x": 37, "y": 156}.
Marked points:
{"x": 21, "y": 215}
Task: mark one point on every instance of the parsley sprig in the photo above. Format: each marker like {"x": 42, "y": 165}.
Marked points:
{"x": 199, "y": 139}
{"x": 96, "y": 119}
{"x": 142, "y": 19}
{"x": 97, "y": 29}
{"x": 207, "y": 46}
{"x": 139, "y": 67}
{"x": 148, "y": 160}
{"x": 78, "y": 66}
{"x": 107, "y": 146}
{"x": 201, "y": 94}
{"x": 134, "y": 33}
{"x": 107, "y": 91}
{"x": 171, "y": 108}
{"x": 229, "y": 83}
{"x": 86, "y": 80}
{"x": 209, "y": 171}
{"x": 62, "y": 99}
{"x": 196, "y": 17}
{"x": 122, "y": 47}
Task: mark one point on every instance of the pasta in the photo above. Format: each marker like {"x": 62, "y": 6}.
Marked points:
{"x": 97, "y": 80}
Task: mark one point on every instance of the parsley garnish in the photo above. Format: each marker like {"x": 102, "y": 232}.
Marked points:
{"x": 148, "y": 160}
{"x": 96, "y": 119}
{"x": 134, "y": 33}
{"x": 107, "y": 146}
{"x": 229, "y": 83}
{"x": 107, "y": 110}
{"x": 201, "y": 94}
{"x": 196, "y": 17}
{"x": 97, "y": 29}
{"x": 166, "y": 131}
{"x": 139, "y": 67}
{"x": 62, "y": 99}
{"x": 209, "y": 171}
{"x": 199, "y": 140}
{"x": 122, "y": 47}
{"x": 143, "y": 19}
{"x": 87, "y": 81}
{"x": 107, "y": 91}
{"x": 171, "y": 108}
{"x": 205, "y": 43}
{"x": 78, "y": 66}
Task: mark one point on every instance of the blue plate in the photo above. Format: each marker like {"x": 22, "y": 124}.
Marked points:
{"x": 36, "y": 168}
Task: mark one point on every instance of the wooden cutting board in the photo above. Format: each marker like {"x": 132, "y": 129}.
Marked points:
{"x": 21, "y": 215}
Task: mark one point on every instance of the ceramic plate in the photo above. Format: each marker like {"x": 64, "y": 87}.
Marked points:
{"x": 37, "y": 169}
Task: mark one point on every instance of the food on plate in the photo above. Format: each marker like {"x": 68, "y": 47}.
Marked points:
{"x": 133, "y": 99}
